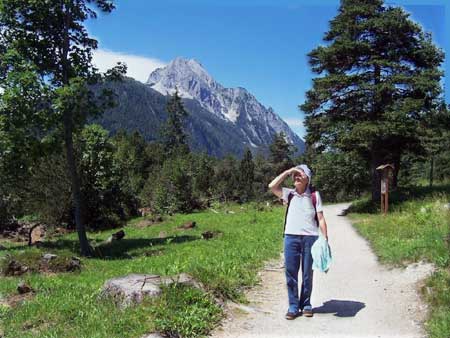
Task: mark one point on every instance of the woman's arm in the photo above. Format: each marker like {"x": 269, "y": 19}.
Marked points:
{"x": 322, "y": 224}
{"x": 274, "y": 186}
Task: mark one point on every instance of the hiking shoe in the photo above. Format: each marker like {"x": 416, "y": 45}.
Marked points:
{"x": 291, "y": 315}
{"x": 307, "y": 312}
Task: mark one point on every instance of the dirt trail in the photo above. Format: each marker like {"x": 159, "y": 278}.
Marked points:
{"x": 357, "y": 298}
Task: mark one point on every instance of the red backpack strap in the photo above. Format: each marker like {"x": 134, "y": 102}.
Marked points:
{"x": 314, "y": 202}
{"x": 287, "y": 209}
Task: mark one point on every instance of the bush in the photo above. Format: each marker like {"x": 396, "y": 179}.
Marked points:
{"x": 173, "y": 187}
{"x": 340, "y": 176}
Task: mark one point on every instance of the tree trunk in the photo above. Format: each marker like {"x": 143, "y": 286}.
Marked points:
{"x": 431, "y": 170}
{"x": 375, "y": 162}
{"x": 86, "y": 249}
{"x": 375, "y": 158}
{"x": 396, "y": 171}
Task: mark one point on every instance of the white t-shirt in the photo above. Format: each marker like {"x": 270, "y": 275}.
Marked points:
{"x": 301, "y": 218}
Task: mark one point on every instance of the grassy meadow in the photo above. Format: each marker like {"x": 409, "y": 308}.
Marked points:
{"x": 416, "y": 228}
{"x": 68, "y": 304}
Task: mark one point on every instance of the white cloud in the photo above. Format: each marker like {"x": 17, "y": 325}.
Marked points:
{"x": 294, "y": 122}
{"x": 297, "y": 125}
{"x": 139, "y": 67}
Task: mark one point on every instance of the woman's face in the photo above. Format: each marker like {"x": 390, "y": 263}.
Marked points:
{"x": 300, "y": 179}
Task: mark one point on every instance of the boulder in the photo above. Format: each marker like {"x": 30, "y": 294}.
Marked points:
{"x": 131, "y": 289}
{"x": 74, "y": 264}
{"x": 23, "y": 288}
{"x": 36, "y": 233}
{"x": 49, "y": 256}
{"x": 14, "y": 268}
{"x": 117, "y": 236}
{"x": 211, "y": 234}
{"x": 187, "y": 225}
{"x": 153, "y": 335}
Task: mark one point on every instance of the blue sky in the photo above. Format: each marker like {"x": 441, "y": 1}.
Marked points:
{"x": 260, "y": 45}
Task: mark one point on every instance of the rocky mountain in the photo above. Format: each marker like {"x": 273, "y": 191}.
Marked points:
{"x": 221, "y": 120}
{"x": 140, "y": 108}
{"x": 235, "y": 105}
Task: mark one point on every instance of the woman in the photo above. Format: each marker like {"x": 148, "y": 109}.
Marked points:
{"x": 304, "y": 217}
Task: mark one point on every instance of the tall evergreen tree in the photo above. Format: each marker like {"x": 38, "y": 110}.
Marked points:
{"x": 226, "y": 178}
{"x": 380, "y": 79}
{"x": 50, "y": 35}
{"x": 174, "y": 135}
{"x": 246, "y": 176}
{"x": 434, "y": 137}
{"x": 280, "y": 153}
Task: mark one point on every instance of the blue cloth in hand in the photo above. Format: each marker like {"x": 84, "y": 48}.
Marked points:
{"x": 321, "y": 254}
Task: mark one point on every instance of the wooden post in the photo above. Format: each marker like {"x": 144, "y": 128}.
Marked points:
{"x": 384, "y": 186}
{"x": 386, "y": 207}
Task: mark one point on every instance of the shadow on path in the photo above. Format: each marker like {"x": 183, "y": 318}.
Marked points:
{"x": 340, "y": 308}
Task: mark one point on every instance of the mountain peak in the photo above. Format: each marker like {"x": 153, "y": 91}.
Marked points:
{"x": 181, "y": 61}
{"x": 188, "y": 75}
{"x": 235, "y": 105}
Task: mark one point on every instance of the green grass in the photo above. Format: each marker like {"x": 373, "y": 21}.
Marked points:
{"x": 416, "y": 228}
{"x": 68, "y": 304}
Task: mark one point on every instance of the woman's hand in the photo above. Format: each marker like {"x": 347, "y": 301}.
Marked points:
{"x": 293, "y": 170}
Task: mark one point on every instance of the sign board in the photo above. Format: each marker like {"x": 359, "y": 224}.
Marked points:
{"x": 385, "y": 171}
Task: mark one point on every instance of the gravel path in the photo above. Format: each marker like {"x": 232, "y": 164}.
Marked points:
{"x": 357, "y": 298}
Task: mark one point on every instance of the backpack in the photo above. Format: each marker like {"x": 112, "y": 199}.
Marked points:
{"x": 314, "y": 202}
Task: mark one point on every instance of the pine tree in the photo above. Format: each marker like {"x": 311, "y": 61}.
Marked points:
{"x": 173, "y": 133}
{"x": 380, "y": 79}
{"x": 246, "y": 176}
{"x": 280, "y": 154}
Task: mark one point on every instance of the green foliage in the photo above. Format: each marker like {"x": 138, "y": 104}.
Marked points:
{"x": 410, "y": 232}
{"x": 173, "y": 190}
{"x": 33, "y": 260}
{"x": 108, "y": 198}
{"x": 437, "y": 293}
{"x": 48, "y": 193}
{"x": 226, "y": 179}
{"x": 280, "y": 154}
{"x": 246, "y": 176}
{"x": 68, "y": 305}
{"x": 100, "y": 184}
{"x": 51, "y": 38}
{"x": 264, "y": 174}
{"x": 380, "y": 81}
{"x": 340, "y": 176}
{"x": 131, "y": 157}
{"x": 185, "y": 312}
{"x": 416, "y": 228}
{"x": 203, "y": 175}
{"x": 173, "y": 133}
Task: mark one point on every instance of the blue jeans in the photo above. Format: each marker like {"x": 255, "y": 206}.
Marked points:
{"x": 297, "y": 248}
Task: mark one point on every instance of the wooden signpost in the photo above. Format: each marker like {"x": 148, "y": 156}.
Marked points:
{"x": 386, "y": 173}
